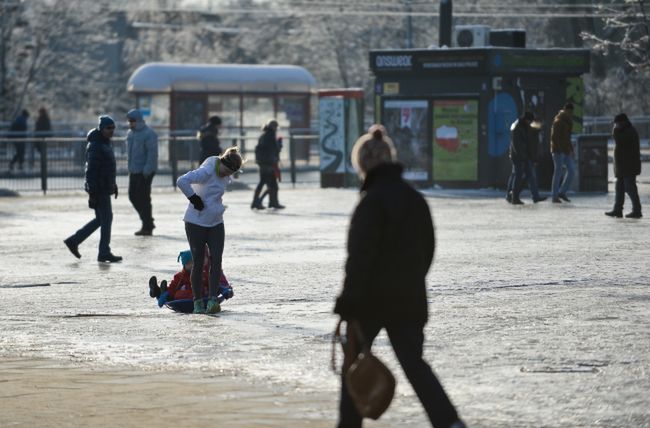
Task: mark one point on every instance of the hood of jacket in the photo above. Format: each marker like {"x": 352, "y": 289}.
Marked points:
{"x": 96, "y": 136}
{"x": 564, "y": 116}
{"x": 136, "y": 115}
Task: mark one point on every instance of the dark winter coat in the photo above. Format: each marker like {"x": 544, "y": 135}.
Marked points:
{"x": 267, "y": 151}
{"x": 209, "y": 140}
{"x": 18, "y": 127}
{"x": 100, "y": 164}
{"x": 390, "y": 249}
{"x": 627, "y": 153}
{"x": 561, "y": 133}
{"x": 520, "y": 134}
{"x": 43, "y": 126}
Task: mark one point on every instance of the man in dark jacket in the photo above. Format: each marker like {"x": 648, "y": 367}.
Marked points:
{"x": 390, "y": 249}
{"x": 627, "y": 165}
{"x": 523, "y": 154}
{"x": 100, "y": 185}
{"x": 18, "y": 129}
{"x": 209, "y": 139}
{"x": 267, "y": 156}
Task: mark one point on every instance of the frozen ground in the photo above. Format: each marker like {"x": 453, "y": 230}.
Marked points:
{"x": 539, "y": 315}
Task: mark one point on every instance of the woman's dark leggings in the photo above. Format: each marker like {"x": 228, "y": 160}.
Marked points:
{"x": 198, "y": 237}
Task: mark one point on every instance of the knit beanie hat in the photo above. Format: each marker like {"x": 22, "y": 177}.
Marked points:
{"x": 105, "y": 121}
{"x": 372, "y": 150}
{"x": 184, "y": 257}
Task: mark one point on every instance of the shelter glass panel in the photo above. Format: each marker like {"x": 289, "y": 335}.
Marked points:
{"x": 293, "y": 111}
{"x": 257, "y": 110}
{"x": 155, "y": 109}
{"x": 227, "y": 108}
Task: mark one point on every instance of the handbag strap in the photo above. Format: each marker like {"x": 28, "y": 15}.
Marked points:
{"x": 355, "y": 343}
{"x": 336, "y": 337}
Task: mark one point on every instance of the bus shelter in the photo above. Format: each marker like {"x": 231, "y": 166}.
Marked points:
{"x": 181, "y": 97}
{"x": 449, "y": 111}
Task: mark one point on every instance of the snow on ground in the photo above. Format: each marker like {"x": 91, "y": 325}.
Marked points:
{"x": 539, "y": 314}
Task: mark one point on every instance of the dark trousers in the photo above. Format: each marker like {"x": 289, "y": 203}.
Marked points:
{"x": 198, "y": 237}
{"x": 140, "y": 197}
{"x": 103, "y": 220}
{"x": 19, "y": 156}
{"x": 407, "y": 341}
{"x": 627, "y": 185}
{"x": 268, "y": 178}
{"x": 521, "y": 169}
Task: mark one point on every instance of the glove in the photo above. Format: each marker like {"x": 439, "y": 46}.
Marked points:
{"x": 116, "y": 191}
{"x": 197, "y": 202}
{"x": 163, "y": 299}
{"x": 92, "y": 201}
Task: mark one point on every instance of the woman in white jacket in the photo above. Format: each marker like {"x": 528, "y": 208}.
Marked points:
{"x": 204, "y": 187}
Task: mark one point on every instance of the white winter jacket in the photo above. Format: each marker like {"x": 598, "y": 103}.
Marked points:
{"x": 205, "y": 182}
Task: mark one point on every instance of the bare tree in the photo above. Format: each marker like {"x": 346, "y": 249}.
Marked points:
{"x": 626, "y": 33}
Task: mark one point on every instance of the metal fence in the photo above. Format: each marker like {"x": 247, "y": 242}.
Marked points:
{"x": 603, "y": 125}
{"x": 58, "y": 163}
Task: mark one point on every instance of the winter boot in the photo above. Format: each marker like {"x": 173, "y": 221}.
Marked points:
{"x": 614, "y": 213}
{"x": 154, "y": 290}
{"x": 213, "y": 306}
{"x": 199, "y": 307}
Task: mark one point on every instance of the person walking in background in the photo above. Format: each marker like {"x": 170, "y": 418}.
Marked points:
{"x": 100, "y": 185}
{"x": 562, "y": 152}
{"x": 42, "y": 129}
{"x": 18, "y": 129}
{"x": 204, "y": 187}
{"x": 142, "y": 150}
{"x": 209, "y": 139}
{"x": 390, "y": 249}
{"x": 267, "y": 156}
{"x": 523, "y": 154}
{"x": 627, "y": 165}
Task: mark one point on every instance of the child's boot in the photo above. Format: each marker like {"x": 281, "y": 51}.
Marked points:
{"x": 199, "y": 307}
{"x": 163, "y": 285}
{"x": 213, "y": 306}
{"x": 154, "y": 290}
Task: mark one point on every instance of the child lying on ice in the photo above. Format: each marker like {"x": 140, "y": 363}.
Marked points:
{"x": 181, "y": 287}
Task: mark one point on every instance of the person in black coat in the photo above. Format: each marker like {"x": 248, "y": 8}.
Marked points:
{"x": 18, "y": 129}
{"x": 627, "y": 165}
{"x": 523, "y": 154}
{"x": 267, "y": 157}
{"x": 100, "y": 185}
{"x": 209, "y": 139}
{"x": 42, "y": 129}
{"x": 390, "y": 249}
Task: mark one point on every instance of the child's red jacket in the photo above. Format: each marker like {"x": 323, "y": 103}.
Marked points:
{"x": 181, "y": 285}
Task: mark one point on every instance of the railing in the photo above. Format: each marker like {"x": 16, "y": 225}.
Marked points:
{"x": 58, "y": 163}
{"x": 603, "y": 125}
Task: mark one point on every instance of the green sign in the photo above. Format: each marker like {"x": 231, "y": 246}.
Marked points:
{"x": 455, "y": 140}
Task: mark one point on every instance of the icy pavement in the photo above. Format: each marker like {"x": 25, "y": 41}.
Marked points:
{"x": 539, "y": 314}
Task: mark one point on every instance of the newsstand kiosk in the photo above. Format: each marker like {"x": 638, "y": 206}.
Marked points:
{"x": 449, "y": 111}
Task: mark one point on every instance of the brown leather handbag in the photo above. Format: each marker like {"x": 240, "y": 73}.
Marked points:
{"x": 369, "y": 382}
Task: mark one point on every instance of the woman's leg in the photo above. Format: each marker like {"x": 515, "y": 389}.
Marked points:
{"x": 216, "y": 237}
{"x": 197, "y": 237}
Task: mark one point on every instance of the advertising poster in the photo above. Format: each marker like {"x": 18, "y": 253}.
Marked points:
{"x": 455, "y": 140}
{"x": 332, "y": 134}
{"x": 406, "y": 124}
